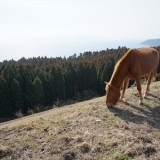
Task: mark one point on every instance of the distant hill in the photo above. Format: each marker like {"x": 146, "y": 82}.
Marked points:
{"x": 151, "y": 42}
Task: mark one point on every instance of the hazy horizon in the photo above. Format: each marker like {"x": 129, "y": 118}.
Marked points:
{"x": 68, "y": 49}
{"x": 54, "y": 28}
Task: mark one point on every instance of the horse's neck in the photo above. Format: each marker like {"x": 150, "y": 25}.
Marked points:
{"x": 118, "y": 76}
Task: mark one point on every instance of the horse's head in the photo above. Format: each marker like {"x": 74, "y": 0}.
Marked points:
{"x": 112, "y": 95}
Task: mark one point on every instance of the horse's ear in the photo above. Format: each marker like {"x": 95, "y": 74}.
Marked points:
{"x": 105, "y": 82}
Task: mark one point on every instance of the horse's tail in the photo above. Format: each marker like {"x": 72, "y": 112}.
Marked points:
{"x": 158, "y": 63}
{"x": 154, "y": 74}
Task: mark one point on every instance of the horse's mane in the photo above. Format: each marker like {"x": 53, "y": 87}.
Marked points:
{"x": 120, "y": 64}
{"x": 121, "y": 61}
{"x": 124, "y": 56}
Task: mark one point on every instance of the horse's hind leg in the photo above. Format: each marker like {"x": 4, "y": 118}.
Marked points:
{"x": 151, "y": 75}
{"x": 139, "y": 90}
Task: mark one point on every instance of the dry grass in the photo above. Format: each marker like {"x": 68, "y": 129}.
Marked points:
{"x": 88, "y": 131}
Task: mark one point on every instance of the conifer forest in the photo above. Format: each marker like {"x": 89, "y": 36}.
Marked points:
{"x": 40, "y": 83}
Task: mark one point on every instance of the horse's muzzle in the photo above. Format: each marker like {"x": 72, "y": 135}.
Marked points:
{"x": 110, "y": 105}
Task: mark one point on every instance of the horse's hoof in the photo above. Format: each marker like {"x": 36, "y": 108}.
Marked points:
{"x": 122, "y": 100}
{"x": 140, "y": 102}
{"x": 109, "y": 105}
{"x": 145, "y": 95}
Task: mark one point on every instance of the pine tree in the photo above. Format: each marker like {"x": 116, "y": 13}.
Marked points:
{"x": 29, "y": 95}
{"x": 17, "y": 95}
{"x": 38, "y": 92}
{"x": 93, "y": 82}
{"x": 6, "y": 108}
{"x": 23, "y": 74}
{"x": 80, "y": 78}
{"x": 106, "y": 74}
{"x": 45, "y": 82}
{"x": 14, "y": 70}
{"x": 8, "y": 74}
{"x": 60, "y": 84}
{"x": 70, "y": 81}
{"x": 52, "y": 84}
{"x": 108, "y": 70}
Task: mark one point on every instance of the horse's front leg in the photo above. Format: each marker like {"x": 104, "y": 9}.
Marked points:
{"x": 138, "y": 82}
{"x": 123, "y": 88}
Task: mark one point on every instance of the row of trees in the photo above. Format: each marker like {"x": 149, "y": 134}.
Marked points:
{"x": 28, "y": 84}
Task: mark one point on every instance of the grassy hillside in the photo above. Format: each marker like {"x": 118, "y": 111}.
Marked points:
{"x": 88, "y": 131}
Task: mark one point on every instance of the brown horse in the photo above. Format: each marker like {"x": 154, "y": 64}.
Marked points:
{"x": 136, "y": 63}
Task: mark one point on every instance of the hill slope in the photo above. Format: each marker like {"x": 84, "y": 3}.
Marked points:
{"x": 87, "y": 131}
{"x": 151, "y": 42}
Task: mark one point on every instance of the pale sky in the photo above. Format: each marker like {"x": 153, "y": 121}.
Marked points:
{"x": 53, "y": 28}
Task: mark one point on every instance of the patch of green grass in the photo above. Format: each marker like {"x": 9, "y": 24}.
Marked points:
{"x": 33, "y": 144}
{"x": 122, "y": 157}
{"x": 27, "y": 141}
{"x": 23, "y": 141}
{"x": 41, "y": 120}
{"x": 112, "y": 153}
{"x": 111, "y": 120}
{"x": 102, "y": 157}
{"x": 62, "y": 123}
{"x": 115, "y": 153}
{"x": 52, "y": 121}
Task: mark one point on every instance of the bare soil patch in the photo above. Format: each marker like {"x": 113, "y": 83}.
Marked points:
{"x": 88, "y": 131}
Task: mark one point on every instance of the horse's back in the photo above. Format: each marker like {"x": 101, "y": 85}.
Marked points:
{"x": 145, "y": 53}
{"x": 143, "y": 61}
